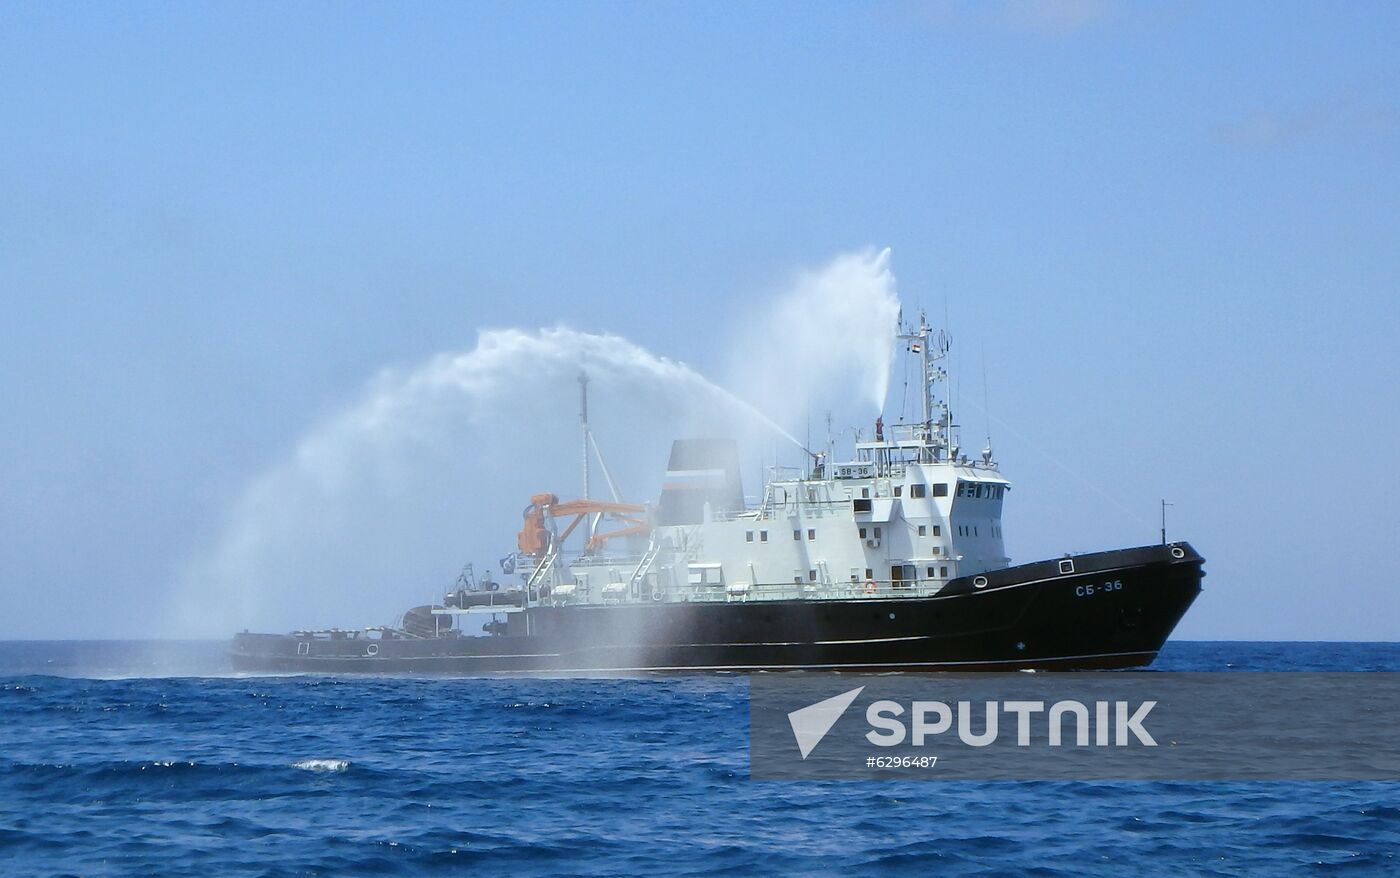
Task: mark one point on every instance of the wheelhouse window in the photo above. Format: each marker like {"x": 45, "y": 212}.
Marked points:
{"x": 923, "y": 530}
{"x": 811, "y": 533}
{"x": 940, "y": 490}
{"x": 748, "y": 536}
{"x": 763, "y": 536}
{"x": 861, "y": 504}
{"x": 918, "y": 491}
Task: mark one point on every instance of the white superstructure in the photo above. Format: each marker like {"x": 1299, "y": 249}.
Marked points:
{"x": 907, "y": 514}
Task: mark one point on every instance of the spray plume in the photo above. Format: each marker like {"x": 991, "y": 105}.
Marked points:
{"x": 378, "y": 505}
{"x": 824, "y": 342}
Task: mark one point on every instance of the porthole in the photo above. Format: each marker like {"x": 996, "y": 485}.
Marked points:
{"x": 979, "y": 582}
{"x": 372, "y": 649}
{"x": 1067, "y": 566}
{"x": 1178, "y": 552}
{"x": 891, "y": 616}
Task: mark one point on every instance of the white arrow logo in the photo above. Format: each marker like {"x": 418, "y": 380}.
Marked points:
{"x": 811, "y": 723}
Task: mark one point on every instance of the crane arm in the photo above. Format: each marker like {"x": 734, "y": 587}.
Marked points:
{"x": 588, "y": 507}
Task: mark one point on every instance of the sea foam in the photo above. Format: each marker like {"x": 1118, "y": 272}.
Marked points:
{"x": 322, "y": 764}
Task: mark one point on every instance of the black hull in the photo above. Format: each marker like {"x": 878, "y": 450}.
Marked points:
{"x": 1115, "y": 610}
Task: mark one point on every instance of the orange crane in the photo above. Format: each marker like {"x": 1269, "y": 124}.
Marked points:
{"x": 534, "y": 536}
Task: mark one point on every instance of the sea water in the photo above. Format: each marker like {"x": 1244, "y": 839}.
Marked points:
{"x": 154, "y": 759}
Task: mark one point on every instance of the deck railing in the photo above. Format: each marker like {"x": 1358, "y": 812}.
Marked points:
{"x": 745, "y": 593}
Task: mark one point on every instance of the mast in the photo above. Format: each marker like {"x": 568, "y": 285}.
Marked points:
{"x": 925, "y": 385}
{"x": 583, "y": 424}
{"x": 936, "y": 426}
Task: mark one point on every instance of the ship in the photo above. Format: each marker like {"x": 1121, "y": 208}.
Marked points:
{"x": 892, "y": 559}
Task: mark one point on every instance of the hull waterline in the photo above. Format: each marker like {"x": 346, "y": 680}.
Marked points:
{"x": 1104, "y": 610}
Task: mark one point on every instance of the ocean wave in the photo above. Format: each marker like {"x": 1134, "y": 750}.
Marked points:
{"x": 322, "y": 764}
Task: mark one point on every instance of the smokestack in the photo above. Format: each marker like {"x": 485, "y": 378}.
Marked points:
{"x": 700, "y": 471}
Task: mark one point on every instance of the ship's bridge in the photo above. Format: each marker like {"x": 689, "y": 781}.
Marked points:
{"x": 891, "y": 457}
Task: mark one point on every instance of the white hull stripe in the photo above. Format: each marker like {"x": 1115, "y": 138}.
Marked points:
{"x": 1078, "y": 574}
{"x": 836, "y": 666}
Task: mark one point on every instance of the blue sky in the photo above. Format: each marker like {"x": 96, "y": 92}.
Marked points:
{"x": 1172, "y": 228}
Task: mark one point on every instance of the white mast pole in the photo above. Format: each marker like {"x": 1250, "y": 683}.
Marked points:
{"x": 583, "y": 424}
{"x": 925, "y": 382}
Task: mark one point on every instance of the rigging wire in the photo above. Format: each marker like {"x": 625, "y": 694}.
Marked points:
{"x": 1067, "y": 469}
